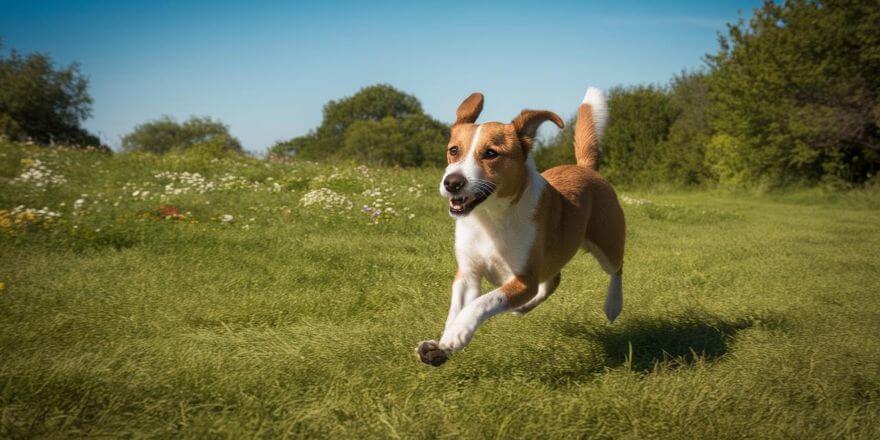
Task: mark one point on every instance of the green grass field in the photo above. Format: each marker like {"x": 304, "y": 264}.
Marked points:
{"x": 258, "y": 299}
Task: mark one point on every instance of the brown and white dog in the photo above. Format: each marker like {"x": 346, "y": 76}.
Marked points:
{"x": 517, "y": 227}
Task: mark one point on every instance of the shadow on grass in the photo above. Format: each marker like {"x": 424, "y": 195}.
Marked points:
{"x": 644, "y": 344}
{"x": 579, "y": 351}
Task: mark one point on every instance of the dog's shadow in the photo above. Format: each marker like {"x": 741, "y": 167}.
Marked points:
{"x": 581, "y": 350}
{"x": 645, "y": 344}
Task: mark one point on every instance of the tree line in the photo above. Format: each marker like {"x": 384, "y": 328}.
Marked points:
{"x": 792, "y": 96}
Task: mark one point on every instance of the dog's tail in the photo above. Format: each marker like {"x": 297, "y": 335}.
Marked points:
{"x": 592, "y": 115}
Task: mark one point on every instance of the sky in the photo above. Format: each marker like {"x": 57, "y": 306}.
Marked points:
{"x": 267, "y": 68}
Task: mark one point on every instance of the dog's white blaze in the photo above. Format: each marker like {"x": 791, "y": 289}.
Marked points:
{"x": 472, "y": 172}
{"x": 467, "y": 167}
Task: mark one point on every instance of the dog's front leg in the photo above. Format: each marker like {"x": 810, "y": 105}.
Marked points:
{"x": 465, "y": 289}
{"x": 458, "y": 334}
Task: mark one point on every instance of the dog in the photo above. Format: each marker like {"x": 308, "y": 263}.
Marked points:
{"x": 516, "y": 227}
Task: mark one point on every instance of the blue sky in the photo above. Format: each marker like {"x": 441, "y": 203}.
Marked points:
{"x": 267, "y": 68}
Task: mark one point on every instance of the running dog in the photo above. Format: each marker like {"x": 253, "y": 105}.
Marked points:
{"x": 517, "y": 227}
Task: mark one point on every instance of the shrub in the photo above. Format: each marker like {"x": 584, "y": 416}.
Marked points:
{"x": 165, "y": 134}
{"x": 377, "y": 125}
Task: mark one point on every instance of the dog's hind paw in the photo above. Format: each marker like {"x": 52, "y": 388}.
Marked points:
{"x": 431, "y": 353}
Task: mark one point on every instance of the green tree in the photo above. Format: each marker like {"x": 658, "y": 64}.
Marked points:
{"x": 407, "y": 141}
{"x": 796, "y": 92}
{"x": 683, "y": 154}
{"x": 632, "y": 148}
{"x": 166, "y": 134}
{"x": 379, "y": 124}
{"x": 43, "y": 103}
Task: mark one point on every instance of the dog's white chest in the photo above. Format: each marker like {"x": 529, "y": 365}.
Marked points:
{"x": 499, "y": 250}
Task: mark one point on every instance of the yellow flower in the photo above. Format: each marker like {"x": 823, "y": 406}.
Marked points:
{"x": 2, "y": 287}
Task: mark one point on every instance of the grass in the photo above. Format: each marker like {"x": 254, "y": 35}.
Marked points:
{"x": 745, "y": 316}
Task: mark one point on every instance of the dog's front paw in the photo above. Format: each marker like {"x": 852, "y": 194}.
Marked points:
{"x": 431, "y": 353}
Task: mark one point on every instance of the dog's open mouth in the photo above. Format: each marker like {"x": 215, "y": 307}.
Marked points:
{"x": 462, "y": 205}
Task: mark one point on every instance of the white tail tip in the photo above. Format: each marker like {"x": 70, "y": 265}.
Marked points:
{"x": 596, "y": 100}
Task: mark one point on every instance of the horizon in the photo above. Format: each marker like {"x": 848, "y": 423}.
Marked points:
{"x": 267, "y": 71}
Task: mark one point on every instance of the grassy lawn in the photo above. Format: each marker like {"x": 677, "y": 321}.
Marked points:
{"x": 270, "y": 303}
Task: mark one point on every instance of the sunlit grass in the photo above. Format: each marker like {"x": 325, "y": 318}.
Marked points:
{"x": 751, "y": 316}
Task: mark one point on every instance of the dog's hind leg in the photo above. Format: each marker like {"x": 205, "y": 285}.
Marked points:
{"x": 545, "y": 289}
{"x": 614, "y": 299}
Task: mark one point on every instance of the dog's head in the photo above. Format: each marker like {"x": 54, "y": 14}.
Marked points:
{"x": 489, "y": 159}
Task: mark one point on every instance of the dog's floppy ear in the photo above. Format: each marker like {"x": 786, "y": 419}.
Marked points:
{"x": 470, "y": 109}
{"x": 527, "y": 123}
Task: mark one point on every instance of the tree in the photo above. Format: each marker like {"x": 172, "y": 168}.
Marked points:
{"x": 796, "y": 91}
{"x": 43, "y": 103}
{"x": 408, "y": 141}
{"x": 379, "y": 124}
{"x": 166, "y": 134}
{"x": 683, "y": 155}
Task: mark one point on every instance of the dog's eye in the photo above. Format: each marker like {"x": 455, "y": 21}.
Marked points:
{"x": 453, "y": 151}
{"x": 490, "y": 154}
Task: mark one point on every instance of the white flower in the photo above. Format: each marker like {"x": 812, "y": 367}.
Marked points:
{"x": 226, "y": 218}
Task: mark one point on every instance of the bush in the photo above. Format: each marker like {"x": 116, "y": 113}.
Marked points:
{"x": 166, "y": 134}
{"x": 689, "y": 134}
{"x": 377, "y": 125}
{"x": 725, "y": 161}
{"x": 43, "y": 103}
{"x": 798, "y": 90}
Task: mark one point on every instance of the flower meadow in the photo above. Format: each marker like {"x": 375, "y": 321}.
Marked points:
{"x": 81, "y": 195}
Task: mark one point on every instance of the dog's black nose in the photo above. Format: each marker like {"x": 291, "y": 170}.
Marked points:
{"x": 454, "y": 183}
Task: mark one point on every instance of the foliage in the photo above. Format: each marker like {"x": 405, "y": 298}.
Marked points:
{"x": 43, "y": 103}
{"x": 165, "y": 134}
{"x": 640, "y": 120}
{"x": 798, "y": 90}
{"x": 685, "y": 148}
{"x": 378, "y": 125}
{"x": 792, "y": 97}
{"x": 412, "y": 140}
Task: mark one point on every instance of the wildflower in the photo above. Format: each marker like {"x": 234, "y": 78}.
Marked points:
{"x": 627, "y": 200}
{"x": 38, "y": 174}
{"x": 226, "y": 218}
{"x": 326, "y": 198}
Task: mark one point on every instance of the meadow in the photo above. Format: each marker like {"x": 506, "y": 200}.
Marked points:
{"x": 197, "y": 295}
